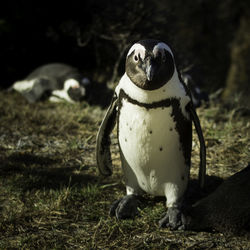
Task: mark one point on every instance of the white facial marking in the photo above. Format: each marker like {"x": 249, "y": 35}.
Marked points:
{"x": 138, "y": 49}
{"x": 160, "y": 47}
{"x": 59, "y": 95}
{"x": 71, "y": 83}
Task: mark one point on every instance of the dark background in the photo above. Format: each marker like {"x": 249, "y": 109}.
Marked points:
{"x": 211, "y": 36}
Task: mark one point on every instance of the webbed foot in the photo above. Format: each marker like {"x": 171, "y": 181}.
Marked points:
{"x": 174, "y": 219}
{"x": 125, "y": 208}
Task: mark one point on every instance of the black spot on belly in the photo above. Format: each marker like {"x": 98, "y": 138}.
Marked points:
{"x": 161, "y": 148}
{"x": 170, "y": 129}
{"x": 183, "y": 177}
{"x": 150, "y": 131}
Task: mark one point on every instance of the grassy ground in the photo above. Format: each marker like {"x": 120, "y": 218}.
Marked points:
{"x": 52, "y": 197}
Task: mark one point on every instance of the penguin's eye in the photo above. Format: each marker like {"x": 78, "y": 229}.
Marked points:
{"x": 163, "y": 58}
{"x": 136, "y": 58}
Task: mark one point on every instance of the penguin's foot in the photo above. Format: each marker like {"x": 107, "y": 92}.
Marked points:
{"x": 174, "y": 219}
{"x": 125, "y": 208}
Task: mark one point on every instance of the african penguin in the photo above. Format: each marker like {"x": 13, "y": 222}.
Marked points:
{"x": 198, "y": 96}
{"x": 154, "y": 114}
{"x": 60, "y": 81}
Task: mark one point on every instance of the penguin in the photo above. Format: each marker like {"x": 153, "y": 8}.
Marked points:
{"x": 227, "y": 209}
{"x": 198, "y": 96}
{"x": 61, "y": 81}
{"x": 154, "y": 112}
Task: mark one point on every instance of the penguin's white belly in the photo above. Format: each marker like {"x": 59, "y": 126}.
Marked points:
{"x": 151, "y": 147}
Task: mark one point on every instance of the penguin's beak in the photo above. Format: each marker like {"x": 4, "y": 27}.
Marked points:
{"x": 150, "y": 70}
{"x": 149, "y": 73}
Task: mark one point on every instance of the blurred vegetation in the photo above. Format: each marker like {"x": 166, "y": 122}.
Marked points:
{"x": 94, "y": 35}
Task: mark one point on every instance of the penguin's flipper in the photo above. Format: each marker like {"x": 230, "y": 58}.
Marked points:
{"x": 103, "y": 155}
{"x": 202, "y": 170}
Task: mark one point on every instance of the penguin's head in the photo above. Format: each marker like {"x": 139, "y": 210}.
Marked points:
{"x": 150, "y": 64}
{"x": 74, "y": 89}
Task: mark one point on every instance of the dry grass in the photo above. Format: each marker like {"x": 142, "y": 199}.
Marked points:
{"x": 52, "y": 197}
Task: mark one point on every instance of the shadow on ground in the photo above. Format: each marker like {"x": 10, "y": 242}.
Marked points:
{"x": 32, "y": 172}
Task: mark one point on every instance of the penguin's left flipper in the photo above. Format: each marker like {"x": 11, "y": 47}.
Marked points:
{"x": 125, "y": 208}
{"x": 174, "y": 219}
{"x": 202, "y": 170}
{"x": 103, "y": 155}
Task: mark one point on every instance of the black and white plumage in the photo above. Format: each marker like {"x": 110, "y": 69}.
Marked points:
{"x": 198, "y": 95}
{"x": 154, "y": 116}
{"x": 60, "y": 81}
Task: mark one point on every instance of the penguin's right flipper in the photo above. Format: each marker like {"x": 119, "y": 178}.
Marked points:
{"x": 103, "y": 155}
{"x": 202, "y": 170}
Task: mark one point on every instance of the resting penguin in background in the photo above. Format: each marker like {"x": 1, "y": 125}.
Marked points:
{"x": 61, "y": 81}
{"x": 198, "y": 96}
{"x": 154, "y": 115}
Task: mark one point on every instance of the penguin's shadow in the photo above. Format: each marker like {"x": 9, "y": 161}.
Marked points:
{"x": 32, "y": 172}
{"x": 193, "y": 194}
